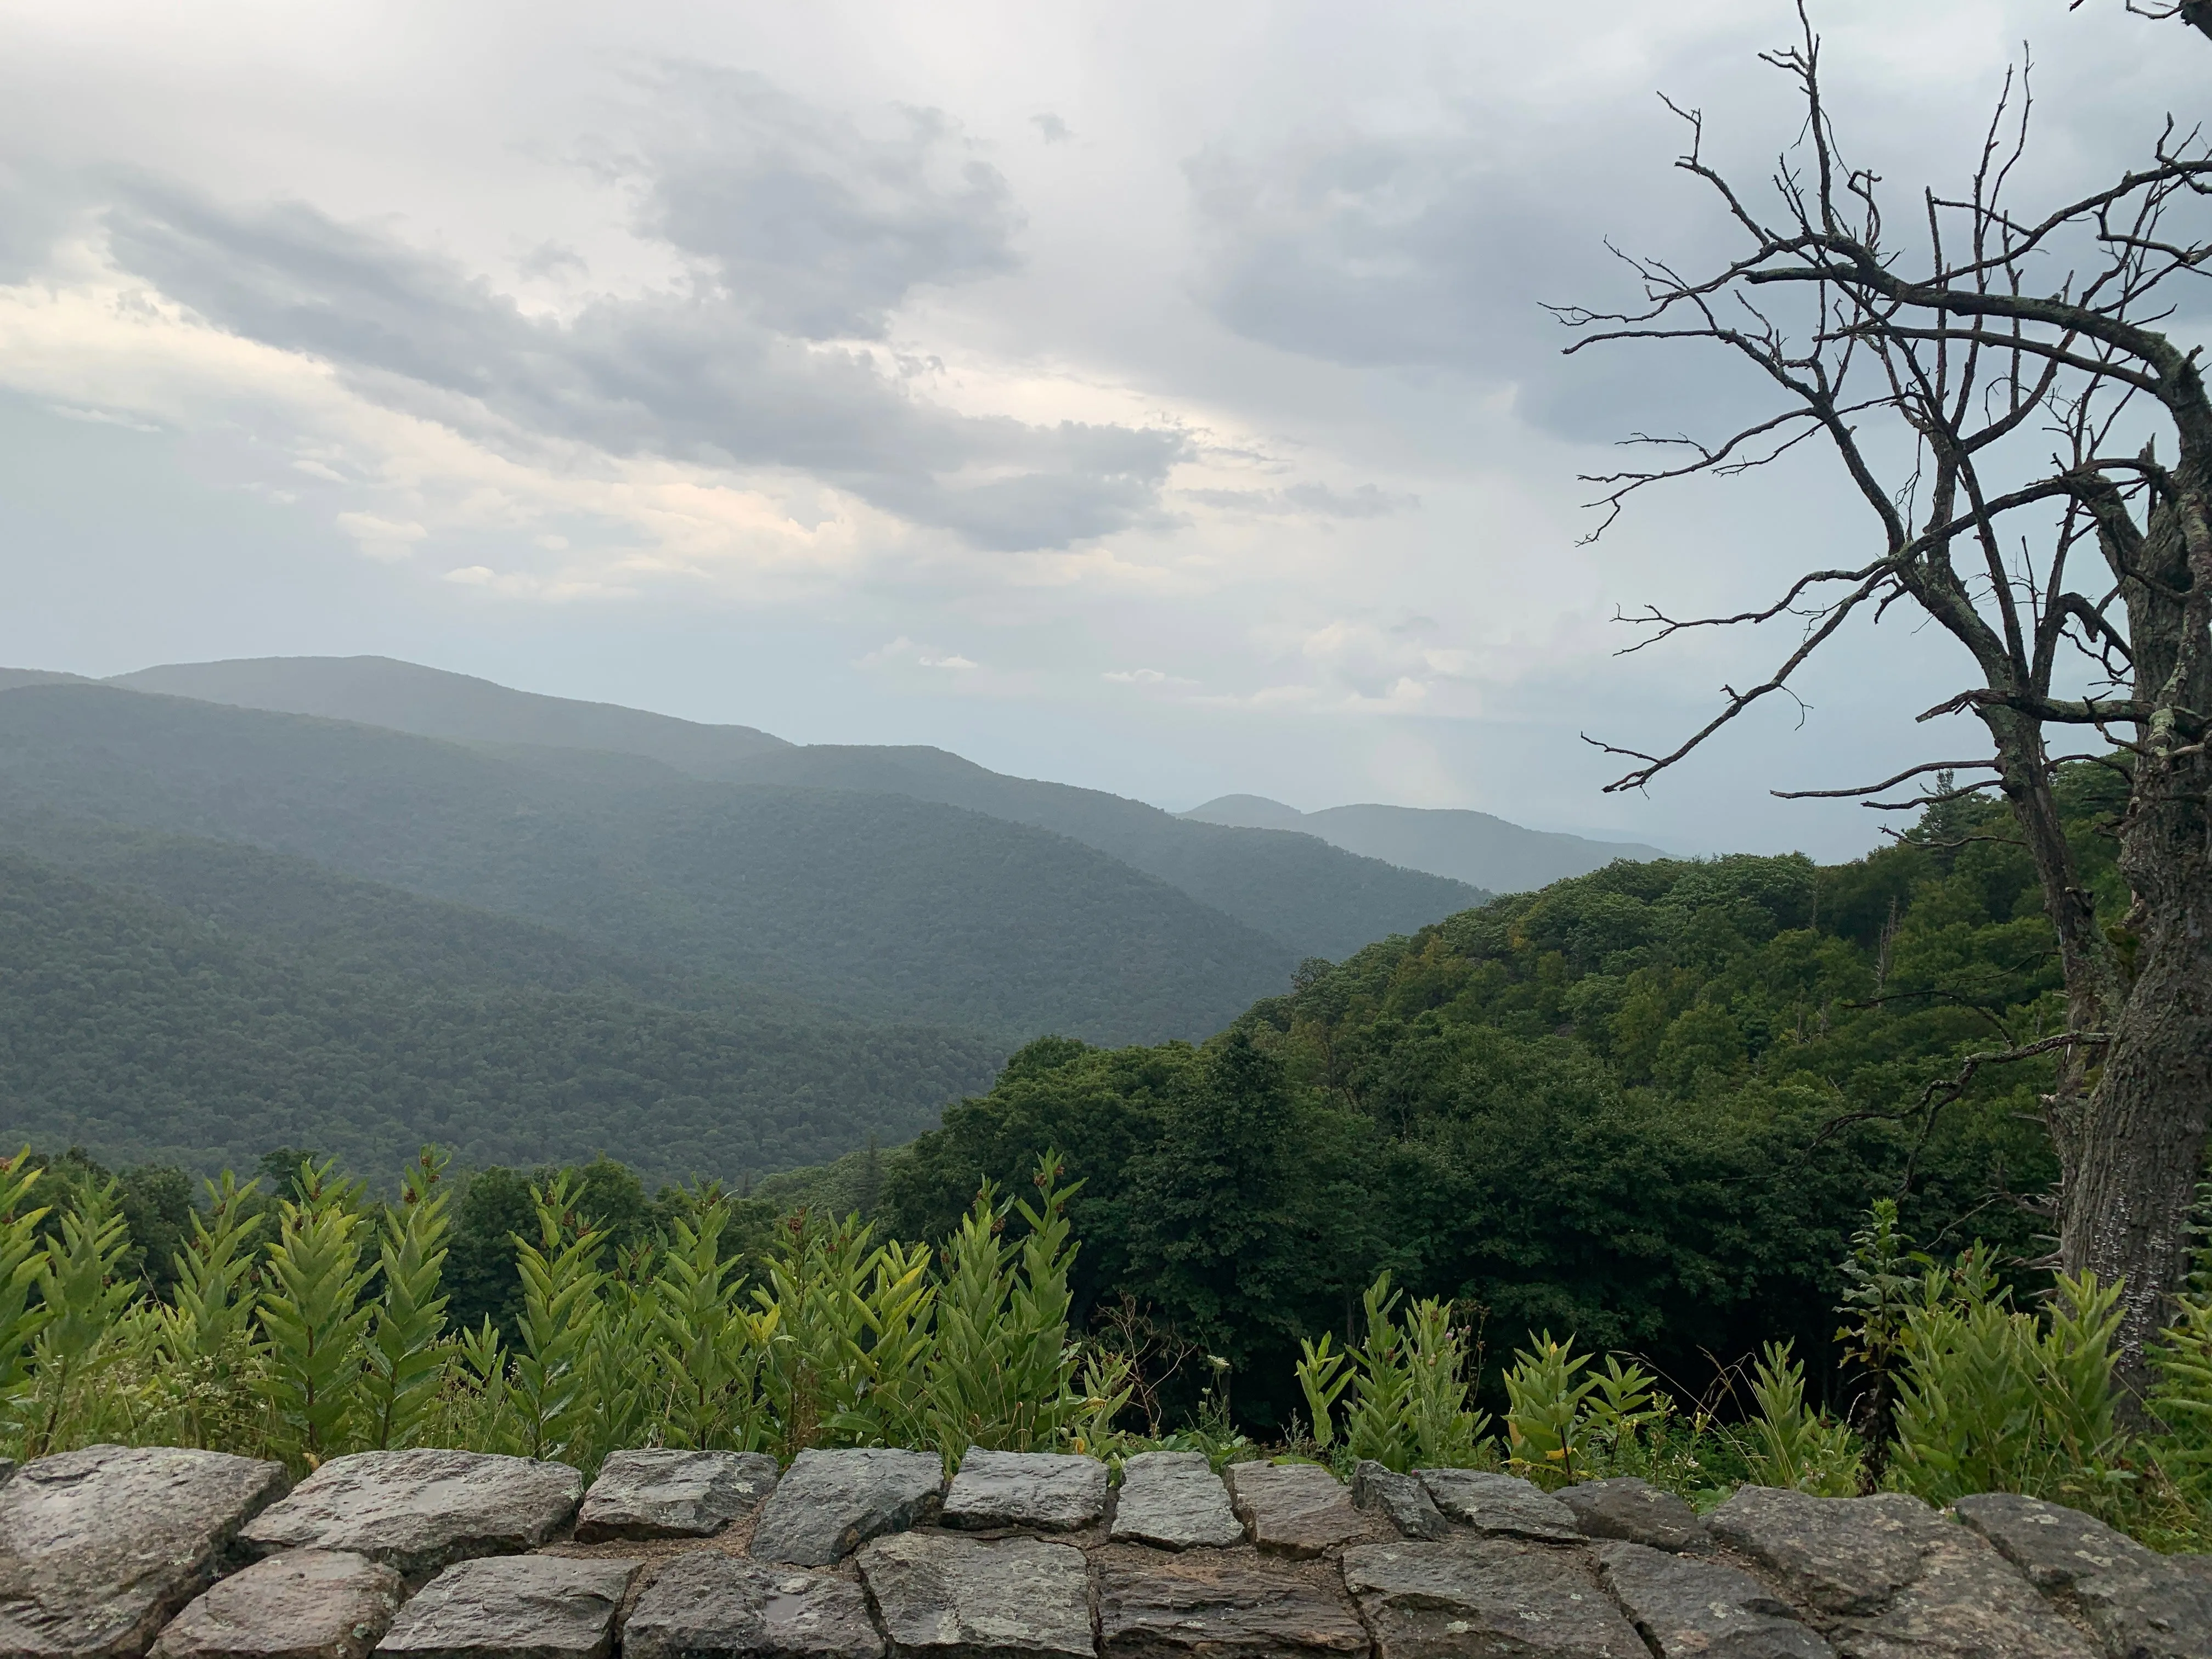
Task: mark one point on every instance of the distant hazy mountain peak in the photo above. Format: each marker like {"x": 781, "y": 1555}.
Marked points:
{"x": 1476, "y": 848}
{"x": 1248, "y": 813}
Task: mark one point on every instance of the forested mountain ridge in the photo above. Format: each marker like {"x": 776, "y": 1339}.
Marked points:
{"x": 889, "y": 907}
{"x": 261, "y": 1002}
{"x": 1647, "y": 1105}
{"x": 432, "y": 703}
{"x": 1316, "y": 899}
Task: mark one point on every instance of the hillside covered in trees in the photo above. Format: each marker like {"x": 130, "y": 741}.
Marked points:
{"x": 169, "y": 1000}
{"x": 1648, "y": 1105}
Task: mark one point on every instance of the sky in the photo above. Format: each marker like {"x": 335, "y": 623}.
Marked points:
{"x": 1154, "y": 398}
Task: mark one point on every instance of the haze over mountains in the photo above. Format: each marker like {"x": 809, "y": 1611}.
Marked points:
{"x": 1471, "y": 847}
{"x": 356, "y": 904}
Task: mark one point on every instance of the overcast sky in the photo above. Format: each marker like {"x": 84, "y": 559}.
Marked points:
{"x": 1150, "y": 397}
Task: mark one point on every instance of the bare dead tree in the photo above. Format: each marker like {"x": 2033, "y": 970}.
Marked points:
{"x": 2197, "y": 13}
{"x": 2000, "y": 389}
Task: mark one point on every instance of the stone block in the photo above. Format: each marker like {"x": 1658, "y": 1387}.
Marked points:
{"x": 1886, "y": 1575}
{"x": 2163, "y": 1610}
{"x": 1500, "y": 1503}
{"x": 660, "y": 1493}
{"x": 1297, "y": 1510}
{"x": 830, "y": 1502}
{"x": 1049, "y": 1492}
{"x": 303, "y": 1604}
{"x": 705, "y": 1605}
{"x": 420, "y": 1510}
{"x": 2054, "y": 1545}
{"x": 1689, "y": 1609}
{"x": 1175, "y": 1501}
{"x": 943, "y": 1597}
{"x": 1486, "y": 1597}
{"x": 1219, "y": 1604}
{"x": 1634, "y": 1510}
{"x": 514, "y": 1606}
{"x": 99, "y": 1547}
{"x": 1400, "y": 1499}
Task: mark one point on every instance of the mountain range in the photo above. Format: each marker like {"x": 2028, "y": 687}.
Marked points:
{"x": 1470, "y": 847}
{"x": 355, "y": 903}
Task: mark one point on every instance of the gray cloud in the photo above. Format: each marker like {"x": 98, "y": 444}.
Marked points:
{"x": 1318, "y": 500}
{"x": 819, "y": 228}
{"x": 696, "y": 374}
{"x": 1052, "y": 129}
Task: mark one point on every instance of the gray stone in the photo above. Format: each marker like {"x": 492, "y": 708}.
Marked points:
{"x": 1488, "y": 1596}
{"x": 705, "y": 1605}
{"x": 2163, "y": 1610}
{"x": 1625, "y": 1507}
{"x": 99, "y": 1547}
{"x": 1400, "y": 1499}
{"x": 1500, "y": 1503}
{"x": 514, "y": 1606}
{"x": 1293, "y": 1509}
{"x": 830, "y": 1502}
{"x": 943, "y": 1597}
{"x": 303, "y": 1604}
{"x": 2055, "y": 1546}
{"x": 1050, "y": 1492}
{"x": 1175, "y": 1501}
{"x": 423, "y": 1509}
{"x": 1218, "y": 1604}
{"x": 658, "y": 1493}
{"x": 1834, "y": 1555}
{"x": 1885, "y": 1576}
{"x": 1688, "y": 1609}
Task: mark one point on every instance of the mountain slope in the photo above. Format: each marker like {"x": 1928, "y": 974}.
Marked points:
{"x": 1317, "y": 900}
{"x": 433, "y": 704}
{"x": 1471, "y": 847}
{"x": 281, "y": 1006}
{"x": 891, "y": 906}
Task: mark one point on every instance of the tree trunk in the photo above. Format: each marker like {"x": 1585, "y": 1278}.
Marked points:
{"x": 2141, "y": 1146}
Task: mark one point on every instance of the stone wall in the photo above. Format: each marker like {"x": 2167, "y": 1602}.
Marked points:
{"x": 114, "y": 1552}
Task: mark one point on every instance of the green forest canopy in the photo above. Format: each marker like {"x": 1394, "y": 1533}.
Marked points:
{"x": 1647, "y": 1106}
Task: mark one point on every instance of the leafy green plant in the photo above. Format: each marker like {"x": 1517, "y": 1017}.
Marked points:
{"x": 406, "y": 1364}
{"x": 84, "y": 1295}
{"x": 1882, "y": 1283}
{"x": 710, "y": 1345}
{"x": 1409, "y": 1387}
{"x": 560, "y": 1286}
{"x": 20, "y": 1261}
{"x": 1546, "y": 1424}
{"x": 1787, "y": 1443}
{"x": 2182, "y": 1398}
{"x": 1994, "y": 1399}
{"x": 312, "y": 1316}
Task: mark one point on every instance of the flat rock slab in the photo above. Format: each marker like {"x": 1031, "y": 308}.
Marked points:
{"x": 1050, "y": 1492}
{"x": 303, "y": 1604}
{"x": 1297, "y": 1510}
{"x": 1688, "y": 1609}
{"x": 2162, "y": 1611}
{"x": 2057, "y": 1547}
{"x": 1218, "y": 1604}
{"x": 672, "y": 1494}
{"x": 1500, "y": 1503}
{"x": 705, "y": 1605}
{"x": 1886, "y": 1576}
{"x": 1486, "y": 1597}
{"x": 1400, "y": 1499}
{"x": 830, "y": 1502}
{"x": 418, "y": 1511}
{"x": 99, "y": 1547}
{"x": 1625, "y": 1507}
{"x": 514, "y": 1606}
{"x": 944, "y": 1596}
{"x": 1175, "y": 1501}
